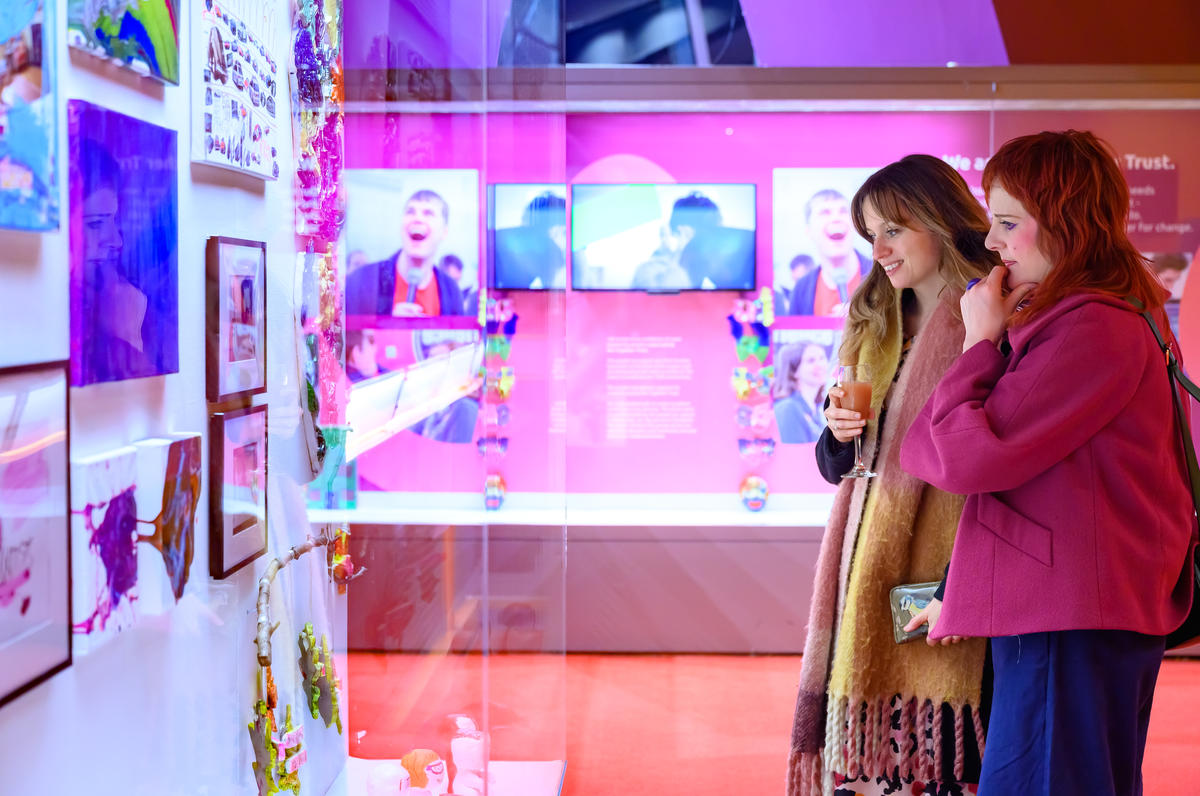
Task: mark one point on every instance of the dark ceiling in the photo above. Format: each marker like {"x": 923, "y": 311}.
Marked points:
{"x": 1044, "y": 32}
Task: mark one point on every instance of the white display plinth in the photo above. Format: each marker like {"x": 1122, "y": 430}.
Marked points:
{"x": 507, "y": 777}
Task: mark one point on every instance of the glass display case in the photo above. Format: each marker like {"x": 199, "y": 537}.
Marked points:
{"x": 460, "y": 441}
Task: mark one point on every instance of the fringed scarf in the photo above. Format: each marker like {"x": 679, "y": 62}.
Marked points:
{"x": 894, "y": 530}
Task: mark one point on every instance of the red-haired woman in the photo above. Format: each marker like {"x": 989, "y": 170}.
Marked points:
{"x": 1057, "y": 424}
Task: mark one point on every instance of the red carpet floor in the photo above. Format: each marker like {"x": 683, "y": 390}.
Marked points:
{"x": 641, "y": 725}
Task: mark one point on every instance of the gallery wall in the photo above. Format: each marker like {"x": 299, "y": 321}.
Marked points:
{"x": 163, "y": 707}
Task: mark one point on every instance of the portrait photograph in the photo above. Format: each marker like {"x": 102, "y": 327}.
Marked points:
{"x": 805, "y": 367}
{"x": 819, "y": 258}
{"x": 124, "y": 238}
{"x": 412, "y": 242}
{"x": 236, "y": 318}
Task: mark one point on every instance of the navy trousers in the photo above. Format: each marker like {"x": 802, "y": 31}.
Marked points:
{"x": 1070, "y": 713}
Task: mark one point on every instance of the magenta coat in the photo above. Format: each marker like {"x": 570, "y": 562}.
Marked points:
{"x": 1078, "y": 513}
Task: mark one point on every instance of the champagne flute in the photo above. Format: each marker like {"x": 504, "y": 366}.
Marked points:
{"x": 855, "y": 380}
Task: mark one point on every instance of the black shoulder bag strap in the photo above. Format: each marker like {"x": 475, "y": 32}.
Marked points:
{"x": 1189, "y": 631}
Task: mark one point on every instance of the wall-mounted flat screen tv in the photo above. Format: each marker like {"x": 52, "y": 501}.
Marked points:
{"x": 527, "y": 231}
{"x": 662, "y": 237}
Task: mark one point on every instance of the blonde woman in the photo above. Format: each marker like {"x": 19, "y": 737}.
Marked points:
{"x": 872, "y": 716}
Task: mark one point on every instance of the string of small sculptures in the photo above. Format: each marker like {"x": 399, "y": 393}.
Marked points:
{"x": 278, "y": 754}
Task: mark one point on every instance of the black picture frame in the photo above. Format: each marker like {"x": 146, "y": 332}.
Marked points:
{"x": 235, "y": 267}
{"x": 31, "y": 653}
{"x": 237, "y": 510}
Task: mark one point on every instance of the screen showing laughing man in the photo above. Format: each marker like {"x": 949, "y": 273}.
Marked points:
{"x": 409, "y": 283}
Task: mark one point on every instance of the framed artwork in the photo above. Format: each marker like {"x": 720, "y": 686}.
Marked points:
{"x": 28, "y": 122}
{"x": 142, "y": 35}
{"x": 237, "y": 489}
{"x": 237, "y": 318}
{"x": 35, "y": 548}
{"x": 235, "y": 50}
{"x": 167, "y": 495}
{"x": 104, "y": 541}
{"x": 124, "y": 235}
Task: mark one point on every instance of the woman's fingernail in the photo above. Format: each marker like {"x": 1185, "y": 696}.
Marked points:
{"x": 973, "y": 283}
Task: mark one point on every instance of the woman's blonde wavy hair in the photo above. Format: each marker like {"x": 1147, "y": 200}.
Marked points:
{"x": 917, "y": 191}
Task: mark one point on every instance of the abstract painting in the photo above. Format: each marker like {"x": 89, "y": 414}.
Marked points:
{"x": 167, "y": 494}
{"x": 104, "y": 539}
{"x": 237, "y": 489}
{"x": 35, "y": 608}
{"x": 142, "y": 35}
{"x": 124, "y": 232}
{"x": 235, "y": 62}
{"x": 237, "y": 318}
{"x": 28, "y": 122}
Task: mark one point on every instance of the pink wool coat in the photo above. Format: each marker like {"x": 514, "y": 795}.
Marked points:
{"x": 1078, "y": 513}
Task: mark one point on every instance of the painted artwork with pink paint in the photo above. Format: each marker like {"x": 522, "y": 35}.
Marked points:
{"x": 104, "y": 540}
{"x": 34, "y": 529}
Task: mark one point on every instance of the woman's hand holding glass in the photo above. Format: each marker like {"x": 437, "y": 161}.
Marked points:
{"x": 844, "y": 424}
{"x": 986, "y": 308}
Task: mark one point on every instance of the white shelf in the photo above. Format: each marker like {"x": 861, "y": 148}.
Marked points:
{"x": 605, "y": 510}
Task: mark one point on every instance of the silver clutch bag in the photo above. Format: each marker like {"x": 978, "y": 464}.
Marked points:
{"x": 907, "y": 600}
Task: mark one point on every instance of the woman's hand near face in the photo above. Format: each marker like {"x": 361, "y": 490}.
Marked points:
{"x": 985, "y": 308}
{"x": 844, "y": 424}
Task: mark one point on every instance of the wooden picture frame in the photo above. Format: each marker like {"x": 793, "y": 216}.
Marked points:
{"x": 35, "y": 526}
{"x": 237, "y": 491}
{"x": 236, "y": 320}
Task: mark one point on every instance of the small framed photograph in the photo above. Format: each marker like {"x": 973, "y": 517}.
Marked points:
{"x": 237, "y": 318}
{"x": 237, "y": 489}
{"x": 35, "y": 526}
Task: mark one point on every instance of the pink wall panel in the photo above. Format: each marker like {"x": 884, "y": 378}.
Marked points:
{"x": 565, "y": 344}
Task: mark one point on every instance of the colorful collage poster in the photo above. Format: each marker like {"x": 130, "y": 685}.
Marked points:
{"x": 235, "y": 59}
{"x": 28, "y": 126}
{"x": 142, "y": 35}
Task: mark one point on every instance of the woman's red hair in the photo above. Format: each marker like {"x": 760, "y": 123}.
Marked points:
{"x": 1070, "y": 183}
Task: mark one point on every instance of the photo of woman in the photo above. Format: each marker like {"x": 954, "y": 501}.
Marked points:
{"x": 802, "y": 373}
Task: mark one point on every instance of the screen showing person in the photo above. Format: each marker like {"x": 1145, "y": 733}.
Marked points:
{"x": 804, "y": 360}
{"x": 419, "y": 262}
{"x": 529, "y": 237}
{"x": 456, "y": 422}
{"x": 662, "y": 237}
{"x": 819, "y": 258}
